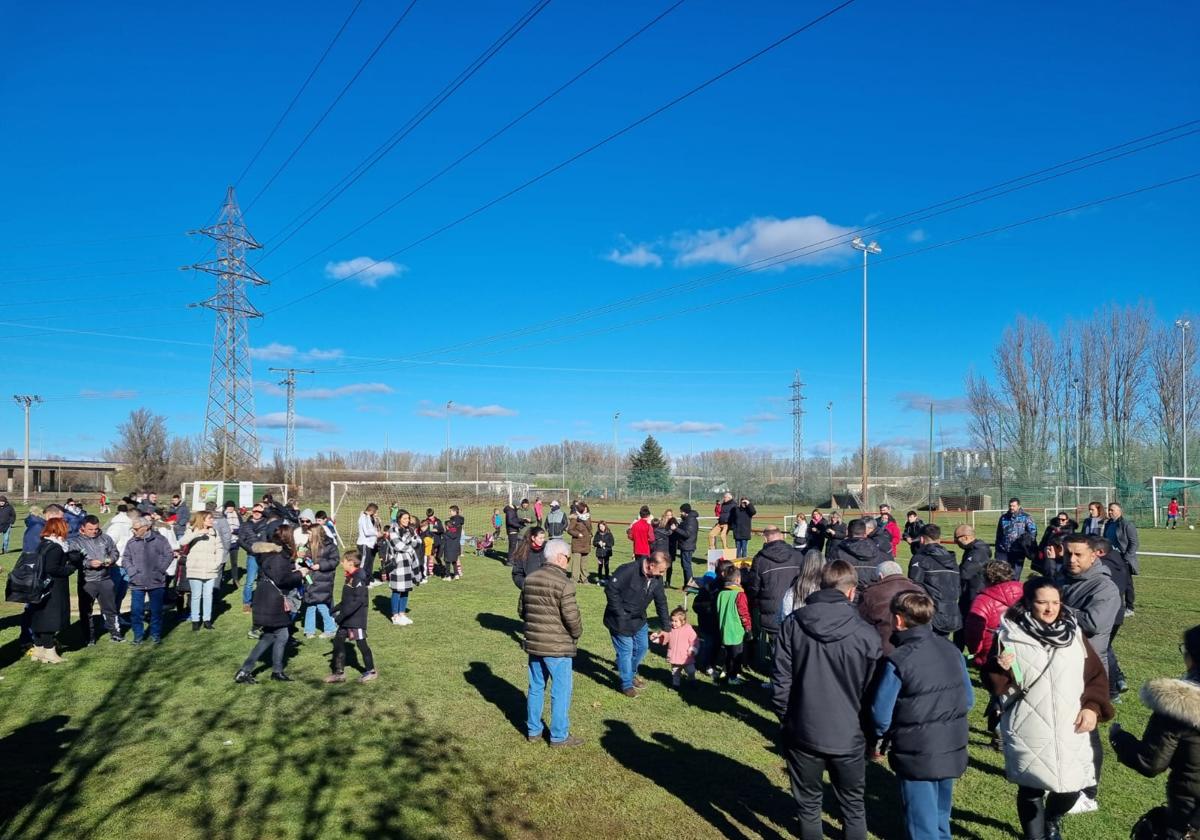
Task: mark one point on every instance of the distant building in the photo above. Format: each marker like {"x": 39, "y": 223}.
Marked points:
{"x": 961, "y": 462}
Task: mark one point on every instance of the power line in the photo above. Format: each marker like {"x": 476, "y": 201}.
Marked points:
{"x": 299, "y": 93}
{"x": 588, "y": 150}
{"x": 487, "y": 141}
{"x": 332, "y": 105}
{"x": 401, "y": 133}
{"x": 939, "y": 208}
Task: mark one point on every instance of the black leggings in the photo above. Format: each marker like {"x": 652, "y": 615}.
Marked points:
{"x": 339, "y": 652}
{"x": 367, "y": 553}
{"x": 1036, "y": 808}
{"x": 602, "y": 567}
{"x": 731, "y": 660}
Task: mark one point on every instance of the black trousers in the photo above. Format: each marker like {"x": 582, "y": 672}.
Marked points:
{"x": 276, "y": 639}
{"x": 602, "y": 567}
{"x": 1115, "y": 674}
{"x": 1036, "y": 807}
{"x": 847, "y": 775}
{"x": 89, "y": 593}
{"x": 367, "y": 553}
{"x": 731, "y": 660}
{"x": 1097, "y": 763}
{"x": 514, "y": 539}
{"x": 339, "y": 652}
{"x": 1129, "y": 593}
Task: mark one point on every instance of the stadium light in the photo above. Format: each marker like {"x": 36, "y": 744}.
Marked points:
{"x": 449, "y": 405}
{"x": 871, "y": 248}
{"x": 1184, "y": 326}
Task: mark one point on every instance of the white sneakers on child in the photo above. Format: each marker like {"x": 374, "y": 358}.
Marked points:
{"x": 401, "y": 620}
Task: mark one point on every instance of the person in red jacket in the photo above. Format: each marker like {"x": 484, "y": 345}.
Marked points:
{"x": 983, "y": 621}
{"x": 642, "y": 534}
{"x": 893, "y": 529}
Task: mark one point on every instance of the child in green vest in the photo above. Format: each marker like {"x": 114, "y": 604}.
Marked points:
{"x": 733, "y": 613}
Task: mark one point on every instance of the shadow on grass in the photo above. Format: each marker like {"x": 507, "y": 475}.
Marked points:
{"x": 733, "y": 798}
{"x": 290, "y": 760}
{"x": 600, "y": 671}
{"x": 499, "y": 692}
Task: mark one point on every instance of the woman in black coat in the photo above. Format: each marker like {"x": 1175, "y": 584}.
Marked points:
{"x": 603, "y": 543}
{"x": 272, "y": 609}
{"x": 1171, "y": 740}
{"x": 54, "y": 613}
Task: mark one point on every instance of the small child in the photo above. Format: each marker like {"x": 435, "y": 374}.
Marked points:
{"x": 682, "y": 646}
{"x": 733, "y": 613}
{"x": 431, "y": 536}
{"x": 351, "y": 616}
{"x": 497, "y": 523}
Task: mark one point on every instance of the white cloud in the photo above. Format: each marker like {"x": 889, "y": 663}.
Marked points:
{"x": 428, "y": 409}
{"x": 686, "y": 427}
{"x": 273, "y": 352}
{"x": 366, "y": 271}
{"x": 918, "y": 235}
{"x": 918, "y": 401}
{"x": 746, "y": 430}
{"x": 635, "y": 256}
{"x": 763, "y": 417}
{"x": 278, "y": 420}
{"x": 763, "y": 237}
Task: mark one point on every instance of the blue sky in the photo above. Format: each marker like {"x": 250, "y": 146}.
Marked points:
{"x": 121, "y": 125}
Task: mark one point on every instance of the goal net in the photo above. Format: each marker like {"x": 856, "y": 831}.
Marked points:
{"x": 547, "y": 495}
{"x": 242, "y": 493}
{"x": 1166, "y": 487}
{"x": 476, "y": 499}
{"x": 1074, "y": 500}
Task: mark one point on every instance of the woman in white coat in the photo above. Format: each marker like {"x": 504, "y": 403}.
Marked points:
{"x": 205, "y": 556}
{"x": 1053, "y": 691}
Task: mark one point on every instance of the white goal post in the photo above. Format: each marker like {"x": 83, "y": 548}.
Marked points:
{"x": 1157, "y": 481}
{"x": 475, "y": 499}
{"x": 1083, "y": 496}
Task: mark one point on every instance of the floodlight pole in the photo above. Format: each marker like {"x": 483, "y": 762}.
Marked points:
{"x": 1076, "y": 384}
{"x": 1184, "y": 326}
{"x": 829, "y": 408}
{"x": 27, "y": 401}
{"x": 449, "y": 405}
{"x": 616, "y": 450}
{"x": 871, "y": 248}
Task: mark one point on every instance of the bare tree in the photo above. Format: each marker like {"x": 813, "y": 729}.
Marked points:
{"x": 1167, "y": 369}
{"x": 1025, "y": 367}
{"x": 142, "y": 444}
{"x": 1124, "y": 333}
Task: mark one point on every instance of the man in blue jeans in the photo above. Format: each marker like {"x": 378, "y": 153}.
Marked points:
{"x": 251, "y": 532}
{"x": 145, "y": 560}
{"x": 921, "y": 701}
{"x": 552, "y": 629}
{"x": 629, "y": 592}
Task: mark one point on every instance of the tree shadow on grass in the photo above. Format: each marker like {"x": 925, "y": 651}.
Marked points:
{"x": 499, "y": 692}
{"x": 293, "y": 760}
{"x": 732, "y": 797}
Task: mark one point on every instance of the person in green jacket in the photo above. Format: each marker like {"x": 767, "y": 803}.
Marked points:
{"x": 733, "y": 614}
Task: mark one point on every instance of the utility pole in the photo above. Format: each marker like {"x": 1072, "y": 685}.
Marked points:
{"x": 229, "y": 421}
{"x": 564, "y": 460}
{"x": 1077, "y": 385}
{"x": 449, "y": 405}
{"x": 1184, "y": 326}
{"x": 797, "y": 400}
{"x": 871, "y": 248}
{"x": 616, "y": 453}
{"x": 26, "y": 401}
{"x": 932, "y": 506}
{"x": 829, "y": 408}
{"x": 289, "y": 446}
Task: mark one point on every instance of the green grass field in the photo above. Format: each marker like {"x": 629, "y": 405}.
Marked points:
{"x": 159, "y": 742}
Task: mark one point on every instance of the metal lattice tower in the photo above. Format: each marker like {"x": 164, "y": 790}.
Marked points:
{"x": 797, "y": 400}
{"x": 229, "y": 425}
{"x": 289, "y": 446}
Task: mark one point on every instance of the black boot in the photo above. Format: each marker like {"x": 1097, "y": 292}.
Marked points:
{"x": 195, "y": 626}
{"x": 208, "y": 625}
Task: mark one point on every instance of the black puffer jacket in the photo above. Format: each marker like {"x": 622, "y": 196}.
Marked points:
{"x": 935, "y": 568}
{"x": 628, "y": 595}
{"x": 686, "y": 530}
{"x": 1171, "y": 742}
{"x": 970, "y": 574}
{"x": 351, "y": 613}
{"x": 523, "y": 568}
{"x": 603, "y": 543}
{"x": 276, "y": 575}
{"x": 864, "y": 555}
{"x": 320, "y": 591}
{"x": 741, "y": 521}
{"x": 771, "y": 574}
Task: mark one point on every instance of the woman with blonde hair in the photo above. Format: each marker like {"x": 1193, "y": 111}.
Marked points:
{"x": 205, "y": 556}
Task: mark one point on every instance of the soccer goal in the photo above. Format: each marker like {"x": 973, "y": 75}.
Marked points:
{"x": 242, "y": 493}
{"x": 476, "y": 499}
{"x": 549, "y": 494}
{"x": 1165, "y": 487}
{"x": 1070, "y": 497}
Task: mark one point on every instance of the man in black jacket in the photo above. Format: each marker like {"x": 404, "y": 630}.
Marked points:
{"x": 773, "y": 571}
{"x": 512, "y": 530}
{"x": 687, "y": 529}
{"x": 630, "y": 591}
{"x": 741, "y": 523}
{"x": 975, "y": 555}
{"x": 935, "y": 568}
{"x": 860, "y": 552}
{"x": 824, "y": 662}
{"x": 8, "y": 518}
{"x": 835, "y": 532}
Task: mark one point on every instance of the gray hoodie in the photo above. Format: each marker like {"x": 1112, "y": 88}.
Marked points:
{"x": 1095, "y": 600}
{"x": 99, "y": 547}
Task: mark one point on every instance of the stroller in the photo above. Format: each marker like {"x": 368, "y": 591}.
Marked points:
{"x": 483, "y": 544}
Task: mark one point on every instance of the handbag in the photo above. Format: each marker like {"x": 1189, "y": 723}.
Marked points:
{"x": 288, "y": 606}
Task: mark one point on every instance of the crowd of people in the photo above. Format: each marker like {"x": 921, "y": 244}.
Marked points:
{"x": 862, "y": 660}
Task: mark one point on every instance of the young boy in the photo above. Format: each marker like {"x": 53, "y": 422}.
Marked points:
{"x": 452, "y": 544}
{"x": 682, "y": 646}
{"x": 733, "y": 613}
{"x": 641, "y": 533}
{"x": 351, "y": 617}
{"x": 917, "y": 706}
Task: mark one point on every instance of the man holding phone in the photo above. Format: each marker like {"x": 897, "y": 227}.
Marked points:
{"x": 95, "y": 579}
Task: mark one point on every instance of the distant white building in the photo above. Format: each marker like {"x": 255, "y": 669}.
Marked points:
{"x": 960, "y": 462}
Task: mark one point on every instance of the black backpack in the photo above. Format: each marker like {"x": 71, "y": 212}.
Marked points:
{"x": 28, "y": 582}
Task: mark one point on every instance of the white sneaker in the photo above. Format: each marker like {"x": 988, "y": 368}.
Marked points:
{"x": 404, "y": 620}
{"x": 457, "y": 577}
{"x": 374, "y": 583}
{"x": 1084, "y": 805}
{"x": 398, "y": 618}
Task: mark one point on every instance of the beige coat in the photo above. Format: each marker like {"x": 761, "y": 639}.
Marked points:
{"x": 205, "y": 557}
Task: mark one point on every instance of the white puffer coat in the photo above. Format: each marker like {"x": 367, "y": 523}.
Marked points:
{"x": 1041, "y": 748}
{"x": 205, "y": 557}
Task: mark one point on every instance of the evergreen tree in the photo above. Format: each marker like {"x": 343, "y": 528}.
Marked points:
{"x": 649, "y": 472}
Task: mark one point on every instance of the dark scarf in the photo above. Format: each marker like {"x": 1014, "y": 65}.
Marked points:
{"x": 1060, "y": 634}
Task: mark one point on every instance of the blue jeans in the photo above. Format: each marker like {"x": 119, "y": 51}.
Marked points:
{"x": 742, "y": 547}
{"x": 631, "y": 650}
{"x": 6, "y": 536}
{"x": 399, "y": 602}
{"x": 251, "y": 576}
{"x": 927, "y": 808}
{"x": 559, "y": 670}
{"x": 310, "y": 619}
{"x": 137, "y": 607}
{"x": 202, "y": 598}
{"x": 685, "y": 562}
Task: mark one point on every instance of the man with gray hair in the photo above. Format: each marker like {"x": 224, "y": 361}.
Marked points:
{"x": 552, "y": 629}
{"x": 876, "y": 604}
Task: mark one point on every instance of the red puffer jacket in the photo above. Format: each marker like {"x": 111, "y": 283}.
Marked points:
{"x": 983, "y": 621}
